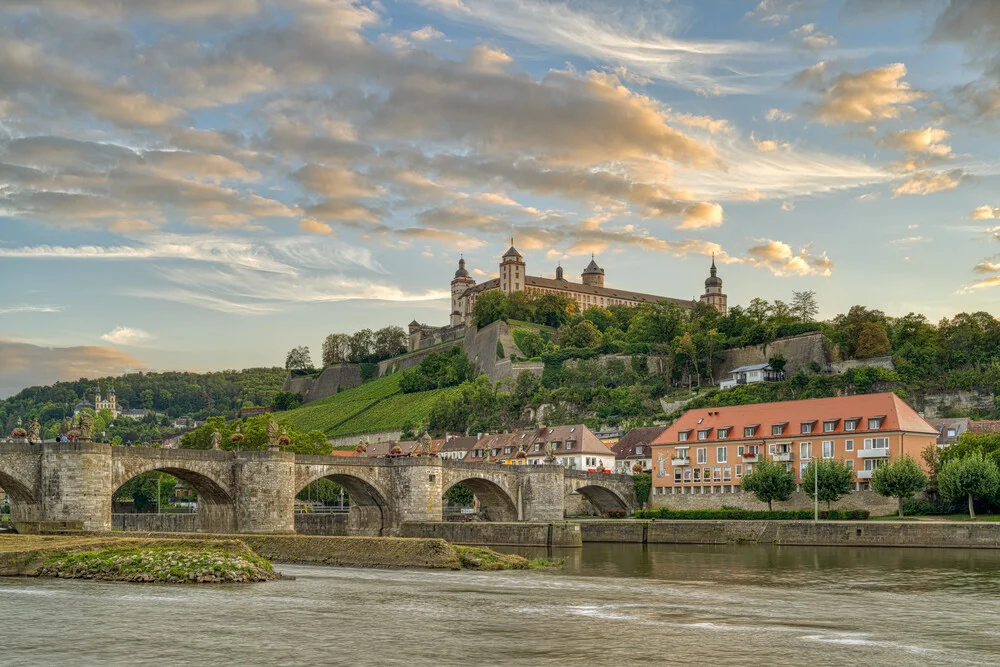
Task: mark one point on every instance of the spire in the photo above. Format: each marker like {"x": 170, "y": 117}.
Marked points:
{"x": 713, "y": 264}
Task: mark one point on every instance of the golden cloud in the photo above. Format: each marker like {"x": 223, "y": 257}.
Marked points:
{"x": 864, "y": 97}
{"x": 701, "y": 215}
{"x": 782, "y": 260}
{"x": 985, "y": 213}
{"x": 927, "y": 182}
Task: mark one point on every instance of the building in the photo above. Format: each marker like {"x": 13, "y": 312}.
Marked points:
{"x": 110, "y": 402}
{"x": 709, "y": 450}
{"x": 949, "y": 430}
{"x": 457, "y": 448}
{"x": 589, "y": 292}
{"x": 635, "y": 449}
{"x": 751, "y": 374}
{"x": 575, "y": 447}
{"x": 137, "y": 415}
{"x": 610, "y": 436}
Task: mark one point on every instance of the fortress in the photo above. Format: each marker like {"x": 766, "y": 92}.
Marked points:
{"x": 513, "y": 277}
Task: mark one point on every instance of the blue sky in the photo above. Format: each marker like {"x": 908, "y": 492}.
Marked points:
{"x": 202, "y": 184}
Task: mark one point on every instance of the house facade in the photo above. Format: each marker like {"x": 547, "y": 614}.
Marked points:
{"x": 709, "y": 450}
{"x": 750, "y": 375}
{"x": 575, "y": 447}
{"x": 635, "y": 450}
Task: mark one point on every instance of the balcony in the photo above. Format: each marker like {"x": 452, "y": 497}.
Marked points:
{"x": 865, "y": 474}
{"x": 784, "y": 457}
{"x": 750, "y": 458}
{"x": 880, "y": 453}
{"x": 680, "y": 462}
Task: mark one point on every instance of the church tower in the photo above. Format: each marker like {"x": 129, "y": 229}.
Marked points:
{"x": 593, "y": 275}
{"x": 713, "y": 295}
{"x": 459, "y": 303}
{"x": 512, "y": 270}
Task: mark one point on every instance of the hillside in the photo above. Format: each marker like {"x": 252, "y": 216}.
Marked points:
{"x": 377, "y": 405}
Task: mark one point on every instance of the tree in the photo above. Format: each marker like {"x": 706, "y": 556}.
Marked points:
{"x": 759, "y": 309}
{"x": 804, "y": 305}
{"x": 389, "y": 342}
{"x": 900, "y": 479}
{"x": 298, "y": 358}
{"x": 873, "y": 341}
{"x": 834, "y": 480}
{"x": 459, "y": 496}
{"x": 777, "y": 363}
{"x": 336, "y": 349}
{"x": 362, "y": 346}
{"x": 769, "y": 481}
{"x": 581, "y": 334}
{"x": 286, "y": 400}
{"x": 972, "y": 476}
{"x": 490, "y": 307}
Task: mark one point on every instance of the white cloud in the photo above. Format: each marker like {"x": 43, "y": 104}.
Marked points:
{"x": 779, "y": 116}
{"x": 11, "y": 310}
{"x": 811, "y": 38}
{"x": 128, "y": 336}
{"x": 910, "y": 240}
{"x": 782, "y": 260}
{"x": 985, "y": 213}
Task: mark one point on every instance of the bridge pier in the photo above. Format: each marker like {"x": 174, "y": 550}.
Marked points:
{"x": 76, "y": 484}
{"x": 265, "y": 492}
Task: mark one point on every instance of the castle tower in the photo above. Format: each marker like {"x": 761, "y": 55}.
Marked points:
{"x": 593, "y": 275}
{"x": 713, "y": 295}
{"x": 459, "y": 303}
{"x": 512, "y": 270}
{"x": 113, "y": 402}
{"x": 559, "y": 273}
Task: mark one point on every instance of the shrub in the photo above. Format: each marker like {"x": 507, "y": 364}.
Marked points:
{"x": 5, "y": 509}
{"x": 616, "y": 514}
{"x": 500, "y": 350}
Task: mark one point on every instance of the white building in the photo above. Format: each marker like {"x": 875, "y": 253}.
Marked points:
{"x": 751, "y": 374}
{"x": 575, "y": 447}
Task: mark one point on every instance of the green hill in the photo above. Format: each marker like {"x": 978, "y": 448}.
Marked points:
{"x": 377, "y": 405}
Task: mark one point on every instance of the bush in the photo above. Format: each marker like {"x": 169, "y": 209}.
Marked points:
{"x": 736, "y": 514}
{"x": 5, "y": 509}
{"x": 926, "y": 507}
{"x": 616, "y": 514}
{"x": 500, "y": 350}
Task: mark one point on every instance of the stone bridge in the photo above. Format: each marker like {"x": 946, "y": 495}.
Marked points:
{"x": 254, "y": 492}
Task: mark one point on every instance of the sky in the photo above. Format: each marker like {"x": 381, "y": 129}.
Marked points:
{"x": 204, "y": 184}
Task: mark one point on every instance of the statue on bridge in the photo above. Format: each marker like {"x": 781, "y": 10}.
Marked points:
{"x": 550, "y": 456}
{"x": 86, "y": 426}
{"x": 34, "y": 431}
{"x": 272, "y": 436}
{"x": 216, "y": 439}
{"x": 425, "y": 444}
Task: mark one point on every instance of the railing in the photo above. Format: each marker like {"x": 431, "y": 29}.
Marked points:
{"x": 865, "y": 474}
{"x": 750, "y": 458}
{"x": 680, "y": 462}
{"x": 874, "y": 453}
{"x": 783, "y": 456}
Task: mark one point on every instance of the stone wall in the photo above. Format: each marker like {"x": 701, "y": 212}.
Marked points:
{"x": 333, "y": 379}
{"x": 352, "y": 440}
{"x": 874, "y": 362}
{"x": 798, "y": 351}
{"x": 156, "y": 523}
{"x": 937, "y": 404}
{"x": 655, "y": 365}
{"x": 859, "y": 500}
{"x": 487, "y": 534}
{"x": 411, "y": 359}
{"x": 327, "y": 523}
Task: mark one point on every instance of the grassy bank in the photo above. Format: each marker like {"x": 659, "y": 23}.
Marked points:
{"x": 481, "y": 558}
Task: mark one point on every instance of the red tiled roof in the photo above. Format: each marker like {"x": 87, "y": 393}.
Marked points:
{"x": 898, "y": 417}
{"x": 625, "y": 448}
{"x": 988, "y": 426}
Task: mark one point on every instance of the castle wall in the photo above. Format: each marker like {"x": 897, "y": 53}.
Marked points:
{"x": 333, "y": 379}
{"x": 798, "y": 351}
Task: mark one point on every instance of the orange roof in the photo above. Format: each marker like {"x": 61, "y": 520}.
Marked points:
{"x": 898, "y": 416}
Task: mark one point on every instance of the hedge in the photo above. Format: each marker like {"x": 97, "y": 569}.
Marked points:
{"x": 734, "y": 514}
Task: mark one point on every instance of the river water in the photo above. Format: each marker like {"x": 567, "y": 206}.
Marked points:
{"x": 610, "y": 605}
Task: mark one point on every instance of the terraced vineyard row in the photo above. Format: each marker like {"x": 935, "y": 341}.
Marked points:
{"x": 393, "y": 413}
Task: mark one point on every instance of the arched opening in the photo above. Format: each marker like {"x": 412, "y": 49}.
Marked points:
{"x": 601, "y": 499}
{"x": 21, "y": 503}
{"x": 172, "y": 500}
{"x": 366, "y": 509}
{"x": 491, "y": 503}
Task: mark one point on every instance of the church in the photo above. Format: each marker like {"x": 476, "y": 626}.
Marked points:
{"x": 588, "y": 293}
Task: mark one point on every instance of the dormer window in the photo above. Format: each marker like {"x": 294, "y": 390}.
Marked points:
{"x": 851, "y": 424}
{"x": 508, "y": 450}
{"x": 749, "y": 431}
{"x": 555, "y": 446}
{"x": 830, "y": 425}
{"x": 638, "y": 450}
{"x": 778, "y": 429}
{"x": 807, "y": 427}
{"x": 875, "y": 423}
{"x": 682, "y": 436}
{"x": 570, "y": 443}
{"x": 723, "y": 433}
{"x": 703, "y": 433}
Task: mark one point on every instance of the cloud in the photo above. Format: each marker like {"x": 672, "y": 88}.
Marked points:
{"x": 782, "y": 260}
{"x": 779, "y": 116}
{"x": 862, "y": 97}
{"x": 773, "y": 12}
{"x": 811, "y": 38}
{"x": 925, "y": 141}
{"x": 910, "y": 240}
{"x": 928, "y": 182}
{"x": 787, "y": 206}
{"x": 13, "y": 310}
{"x": 713, "y": 125}
{"x": 128, "y": 336}
{"x": 701, "y": 215}
{"x": 23, "y": 365}
{"x": 767, "y": 145}
{"x": 313, "y": 226}
{"x": 985, "y": 213}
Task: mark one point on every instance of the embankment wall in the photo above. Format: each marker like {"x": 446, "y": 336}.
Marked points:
{"x": 859, "y": 500}
{"x": 496, "y": 534}
{"x": 798, "y": 533}
{"x": 331, "y": 523}
{"x": 156, "y": 523}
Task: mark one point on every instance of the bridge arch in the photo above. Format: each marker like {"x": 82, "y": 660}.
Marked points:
{"x": 216, "y": 505}
{"x": 603, "y": 499}
{"x": 24, "y": 505}
{"x": 605, "y": 493}
{"x": 495, "y": 503}
{"x": 370, "y": 510}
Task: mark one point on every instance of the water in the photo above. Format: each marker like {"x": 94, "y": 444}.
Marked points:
{"x": 611, "y": 605}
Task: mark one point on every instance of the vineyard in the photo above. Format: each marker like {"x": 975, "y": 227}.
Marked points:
{"x": 377, "y": 405}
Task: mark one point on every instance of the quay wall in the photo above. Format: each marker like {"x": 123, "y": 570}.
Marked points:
{"x": 156, "y": 523}
{"x": 331, "y": 523}
{"x": 936, "y": 534}
{"x": 498, "y": 534}
{"x": 799, "y": 500}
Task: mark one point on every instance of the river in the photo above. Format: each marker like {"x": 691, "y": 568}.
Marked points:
{"x": 610, "y": 605}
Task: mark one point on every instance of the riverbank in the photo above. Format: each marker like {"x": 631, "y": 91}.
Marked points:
{"x": 132, "y": 559}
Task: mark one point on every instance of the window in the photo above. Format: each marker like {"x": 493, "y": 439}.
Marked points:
{"x": 638, "y": 450}
{"x": 748, "y": 468}
{"x": 740, "y": 450}
{"x": 872, "y": 464}
{"x": 850, "y": 463}
{"x": 777, "y": 429}
{"x": 508, "y": 450}
{"x": 682, "y": 436}
{"x": 802, "y": 470}
{"x": 875, "y": 423}
{"x": 697, "y": 474}
{"x": 701, "y": 455}
{"x": 851, "y": 425}
{"x": 569, "y": 444}
{"x": 707, "y": 474}
{"x": 771, "y": 449}
{"x": 748, "y": 431}
{"x": 555, "y": 446}
{"x": 687, "y": 475}
{"x": 876, "y": 443}
{"x": 703, "y": 434}
{"x": 739, "y": 470}
{"x": 727, "y": 474}
{"x": 805, "y": 450}
{"x": 807, "y": 428}
{"x": 723, "y": 433}
{"x": 538, "y": 446}
{"x": 721, "y": 455}
{"x": 848, "y": 445}
{"x": 828, "y": 449}
{"x": 829, "y": 427}
{"x": 717, "y": 474}
{"x": 677, "y": 475}
{"x": 682, "y": 452}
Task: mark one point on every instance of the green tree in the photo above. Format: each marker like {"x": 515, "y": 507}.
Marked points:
{"x": 834, "y": 480}
{"x": 769, "y": 481}
{"x": 459, "y": 496}
{"x": 336, "y": 349}
{"x": 759, "y": 309}
{"x": 873, "y": 341}
{"x": 490, "y": 307}
{"x": 972, "y": 476}
{"x": 361, "y": 346}
{"x": 900, "y": 479}
{"x": 297, "y": 359}
{"x": 286, "y": 400}
{"x": 583, "y": 334}
{"x": 389, "y": 342}
{"x": 804, "y": 305}
{"x": 777, "y": 363}
{"x": 642, "y": 482}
